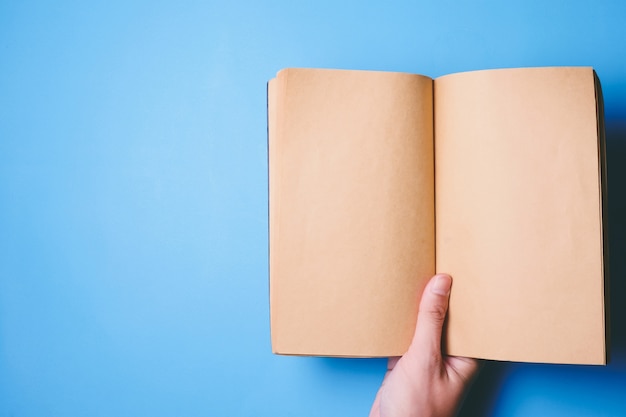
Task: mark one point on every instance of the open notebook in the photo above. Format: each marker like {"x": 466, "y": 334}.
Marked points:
{"x": 377, "y": 180}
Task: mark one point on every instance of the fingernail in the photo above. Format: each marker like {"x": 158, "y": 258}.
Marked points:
{"x": 442, "y": 285}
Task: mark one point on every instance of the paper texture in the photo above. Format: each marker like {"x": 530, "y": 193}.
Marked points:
{"x": 519, "y": 219}
{"x": 351, "y": 210}
{"x": 373, "y": 189}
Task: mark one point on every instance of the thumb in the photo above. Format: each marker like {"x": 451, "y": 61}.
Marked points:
{"x": 432, "y": 314}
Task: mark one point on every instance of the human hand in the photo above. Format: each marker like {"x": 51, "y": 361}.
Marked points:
{"x": 423, "y": 382}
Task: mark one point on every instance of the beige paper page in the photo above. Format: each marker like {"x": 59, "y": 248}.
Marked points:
{"x": 518, "y": 219}
{"x": 351, "y": 210}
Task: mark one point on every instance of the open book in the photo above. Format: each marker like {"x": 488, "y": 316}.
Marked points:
{"x": 377, "y": 180}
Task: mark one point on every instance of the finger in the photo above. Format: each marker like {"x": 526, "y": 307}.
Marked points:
{"x": 432, "y": 313}
{"x": 391, "y": 362}
{"x": 375, "y": 411}
{"x": 461, "y": 368}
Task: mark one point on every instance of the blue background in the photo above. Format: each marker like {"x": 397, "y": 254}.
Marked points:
{"x": 133, "y": 197}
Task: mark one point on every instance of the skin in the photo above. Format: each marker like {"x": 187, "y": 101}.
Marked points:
{"x": 424, "y": 382}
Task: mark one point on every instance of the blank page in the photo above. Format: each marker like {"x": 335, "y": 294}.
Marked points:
{"x": 518, "y": 214}
{"x": 351, "y": 210}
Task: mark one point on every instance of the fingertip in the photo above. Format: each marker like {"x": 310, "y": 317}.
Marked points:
{"x": 441, "y": 284}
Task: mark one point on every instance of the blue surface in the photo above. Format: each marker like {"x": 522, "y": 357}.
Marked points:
{"x": 133, "y": 197}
